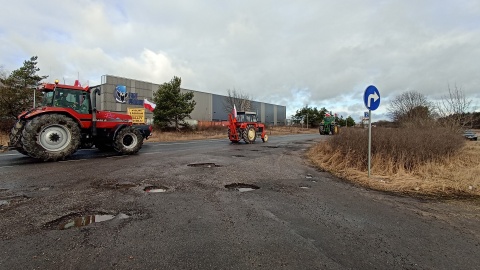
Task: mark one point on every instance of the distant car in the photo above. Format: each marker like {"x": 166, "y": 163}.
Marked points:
{"x": 470, "y": 135}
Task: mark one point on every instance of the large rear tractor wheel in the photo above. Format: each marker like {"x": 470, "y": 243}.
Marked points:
{"x": 16, "y": 137}
{"x": 321, "y": 130}
{"x": 233, "y": 141}
{"x": 128, "y": 141}
{"x": 51, "y": 137}
{"x": 250, "y": 134}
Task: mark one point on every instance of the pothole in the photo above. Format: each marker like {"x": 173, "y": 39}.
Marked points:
{"x": 122, "y": 185}
{"x": 4, "y": 202}
{"x": 155, "y": 189}
{"x": 308, "y": 176}
{"x": 271, "y": 146}
{"x": 254, "y": 150}
{"x": 241, "y": 187}
{"x": 304, "y": 187}
{"x": 3, "y": 189}
{"x": 74, "y": 221}
{"x": 238, "y": 156}
{"x": 203, "y": 165}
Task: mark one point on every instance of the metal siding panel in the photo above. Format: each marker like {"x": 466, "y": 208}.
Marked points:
{"x": 218, "y": 111}
{"x": 262, "y": 109}
{"x": 269, "y": 114}
{"x": 275, "y": 114}
{"x": 281, "y": 114}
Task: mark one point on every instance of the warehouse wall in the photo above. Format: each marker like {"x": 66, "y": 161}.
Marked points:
{"x": 208, "y": 106}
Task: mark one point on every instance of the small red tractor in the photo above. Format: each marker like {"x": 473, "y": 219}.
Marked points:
{"x": 68, "y": 119}
{"x": 245, "y": 126}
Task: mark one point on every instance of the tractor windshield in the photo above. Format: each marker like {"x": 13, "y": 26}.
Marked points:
{"x": 47, "y": 98}
{"x": 74, "y": 99}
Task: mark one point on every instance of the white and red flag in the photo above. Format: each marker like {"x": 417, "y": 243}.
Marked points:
{"x": 149, "y": 105}
{"x": 234, "y": 111}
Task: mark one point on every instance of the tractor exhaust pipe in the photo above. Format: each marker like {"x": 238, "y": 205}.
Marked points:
{"x": 93, "y": 98}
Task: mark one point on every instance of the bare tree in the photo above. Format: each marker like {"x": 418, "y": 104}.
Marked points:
{"x": 241, "y": 100}
{"x": 453, "y": 109}
{"x": 411, "y": 107}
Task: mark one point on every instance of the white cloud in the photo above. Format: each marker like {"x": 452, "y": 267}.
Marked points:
{"x": 320, "y": 53}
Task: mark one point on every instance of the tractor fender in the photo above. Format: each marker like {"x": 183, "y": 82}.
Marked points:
{"x": 117, "y": 129}
{"x": 48, "y": 110}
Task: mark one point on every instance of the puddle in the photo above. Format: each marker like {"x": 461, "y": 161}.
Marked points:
{"x": 308, "y": 176}
{"x": 241, "y": 187}
{"x": 255, "y": 150}
{"x": 86, "y": 220}
{"x": 271, "y": 146}
{"x": 305, "y": 187}
{"x": 155, "y": 189}
{"x": 238, "y": 156}
{"x": 203, "y": 165}
{"x": 3, "y": 189}
{"x": 4, "y": 202}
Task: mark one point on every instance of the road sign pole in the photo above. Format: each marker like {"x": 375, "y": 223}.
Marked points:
{"x": 369, "y": 140}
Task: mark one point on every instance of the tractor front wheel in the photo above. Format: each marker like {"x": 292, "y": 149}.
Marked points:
{"x": 128, "y": 141}
{"x": 51, "y": 137}
{"x": 265, "y": 138}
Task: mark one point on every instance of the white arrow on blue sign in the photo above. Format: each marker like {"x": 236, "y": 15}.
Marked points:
{"x": 371, "y": 98}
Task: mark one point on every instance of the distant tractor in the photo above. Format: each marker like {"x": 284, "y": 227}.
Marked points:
{"x": 245, "y": 126}
{"x": 67, "y": 120}
{"x": 328, "y": 126}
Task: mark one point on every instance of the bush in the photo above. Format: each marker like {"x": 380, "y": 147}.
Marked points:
{"x": 6, "y": 124}
{"x": 395, "y": 148}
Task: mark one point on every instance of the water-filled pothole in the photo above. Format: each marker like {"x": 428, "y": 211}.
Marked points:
{"x": 204, "y": 165}
{"x": 238, "y": 156}
{"x": 241, "y": 187}
{"x": 304, "y": 187}
{"x": 308, "y": 176}
{"x": 70, "y": 221}
{"x": 155, "y": 189}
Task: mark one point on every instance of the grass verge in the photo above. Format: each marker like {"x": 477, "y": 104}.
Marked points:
{"x": 431, "y": 163}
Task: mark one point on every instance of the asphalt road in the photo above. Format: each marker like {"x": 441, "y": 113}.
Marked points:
{"x": 91, "y": 212}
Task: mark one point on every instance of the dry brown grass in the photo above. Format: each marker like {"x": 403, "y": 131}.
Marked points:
{"x": 221, "y": 133}
{"x": 444, "y": 174}
{"x": 3, "y": 138}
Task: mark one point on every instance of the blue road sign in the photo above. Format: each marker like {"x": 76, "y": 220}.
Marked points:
{"x": 366, "y": 115}
{"x": 371, "y": 98}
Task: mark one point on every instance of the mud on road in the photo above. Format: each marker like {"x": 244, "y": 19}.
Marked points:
{"x": 215, "y": 205}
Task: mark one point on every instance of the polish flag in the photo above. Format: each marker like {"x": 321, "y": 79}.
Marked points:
{"x": 149, "y": 105}
{"x": 234, "y": 111}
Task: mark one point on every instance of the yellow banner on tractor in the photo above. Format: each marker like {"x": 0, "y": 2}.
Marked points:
{"x": 137, "y": 114}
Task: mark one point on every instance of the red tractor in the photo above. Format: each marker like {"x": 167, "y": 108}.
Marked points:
{"x": 67, "y": 120}
{"x": 245, "y": 126}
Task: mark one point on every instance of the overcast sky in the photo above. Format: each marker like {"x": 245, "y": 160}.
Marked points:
{"x": 292, "y": 53}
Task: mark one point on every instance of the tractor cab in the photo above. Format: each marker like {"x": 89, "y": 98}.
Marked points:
{"x": 247, "y": 117}
{"x": 66, "y": 96}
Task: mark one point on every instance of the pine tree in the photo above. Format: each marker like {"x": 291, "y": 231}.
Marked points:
{"x": 172, "y": 106}
{"x": 17, "y": 89}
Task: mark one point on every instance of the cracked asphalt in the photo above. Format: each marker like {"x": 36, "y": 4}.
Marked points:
{"x": 298, "y": 218}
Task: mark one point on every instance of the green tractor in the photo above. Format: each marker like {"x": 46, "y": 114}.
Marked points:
{"x": 328, "y": 126}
